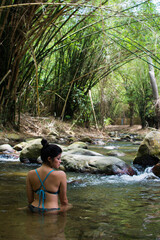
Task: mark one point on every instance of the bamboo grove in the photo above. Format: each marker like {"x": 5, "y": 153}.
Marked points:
{"x": 52, "y": 53}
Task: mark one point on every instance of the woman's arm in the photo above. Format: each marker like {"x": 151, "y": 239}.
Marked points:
{"x": 63, "y": 194}
{"x": 29, "y": 190}
{"x": 63, "y": 188}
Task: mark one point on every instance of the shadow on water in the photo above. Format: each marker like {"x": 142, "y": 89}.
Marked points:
{"x": 105, "y": 207}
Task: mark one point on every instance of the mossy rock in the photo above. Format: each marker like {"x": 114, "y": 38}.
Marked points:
{"x": 78, "y": 145}
{"x": 150, "y": 145}
{"x": 14, "y": 136}
{"x": 32, "y": 151}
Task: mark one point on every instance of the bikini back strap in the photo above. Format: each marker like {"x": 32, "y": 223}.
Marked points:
{"x": 41, "y": 192}
{"x": 47, "y": 175}
{"x": 42, "y": 182}
{"x": 40, "y": 179}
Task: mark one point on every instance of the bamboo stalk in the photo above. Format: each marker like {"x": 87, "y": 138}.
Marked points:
{"x": 41, "y": 31}
{"x": 129, "y": 49}
{"x": 36, "y": 68}
{"x": 60, "y": 97}
{"x": 4, "y": 21}
{"x": 64, "y": 107}
{"x": 68, "y": 4}
{"x": 5, "y": 76}
{"x": 90, "y": 95}
{"x": 143, "y": 49}
{"x": 52, "y": 4}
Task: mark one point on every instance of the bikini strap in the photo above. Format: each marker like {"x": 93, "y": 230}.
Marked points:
{"x": 41, "y": 192}
{"x": 47, "y": 175}
{"x": 39, "y": 180}
{"x": 42, "y": 182}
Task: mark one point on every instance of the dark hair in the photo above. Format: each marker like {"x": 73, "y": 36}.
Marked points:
{"x": 49, "y": 150}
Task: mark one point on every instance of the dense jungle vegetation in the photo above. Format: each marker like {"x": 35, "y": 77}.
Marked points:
{"x": 91, "y": 62}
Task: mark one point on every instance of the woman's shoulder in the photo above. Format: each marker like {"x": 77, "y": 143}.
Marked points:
{"x": 59, "y": 173}
{"x": 31, "y": 172}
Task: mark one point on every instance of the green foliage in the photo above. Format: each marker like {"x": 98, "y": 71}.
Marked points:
{"x": 108, "y": 121}
{"x": 81, "y": 108}
{"x": 138, "y": 90}
{"x": 57, "y": 53}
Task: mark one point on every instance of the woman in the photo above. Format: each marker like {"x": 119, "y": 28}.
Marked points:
{"x": 45, "y": 185}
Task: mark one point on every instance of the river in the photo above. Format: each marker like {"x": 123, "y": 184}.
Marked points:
{"x": 104, "y": 207}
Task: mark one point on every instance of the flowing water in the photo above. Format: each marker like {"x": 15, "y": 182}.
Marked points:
{"x": 104, "y": 207}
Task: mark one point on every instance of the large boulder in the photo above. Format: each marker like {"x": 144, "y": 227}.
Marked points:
{"x": 149, "y": 150}
{"x": 94, "y": 164}
{"x": 82, "y": 151}
{"x": 31, "y": 152}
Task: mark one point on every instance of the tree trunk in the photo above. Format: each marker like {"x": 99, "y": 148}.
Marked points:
{"x": 155, "y": 92}
{"x": 131, "y": 113}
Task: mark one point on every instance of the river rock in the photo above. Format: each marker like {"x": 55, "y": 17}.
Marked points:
{"x": 6, "y": 148}
{"x": 86, "y": 139}
{"x": 116, "y": 153}
{"x": 78, "y": 145}
{"x": 82, "y": 151}
{"x": 149, "y": 150}
{"x": 145, "y": 161}
{"x": 14, "y": 136}
{"x": 31, "y": 152}
{"x": 156, "y": 170}
{"x": 93, "y": 164}
{"x": 20, "y": 146}
{"x": 125, "y": 137}
{"x": 150, "y": 145}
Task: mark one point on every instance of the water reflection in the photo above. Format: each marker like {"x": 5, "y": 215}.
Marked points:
{"x": 45, "y": 227}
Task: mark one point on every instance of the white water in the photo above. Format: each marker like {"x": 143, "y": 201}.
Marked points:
{"x": 84, "y": 180}
{"x": 8, "y": 159}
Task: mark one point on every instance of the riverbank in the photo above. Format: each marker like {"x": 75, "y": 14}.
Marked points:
{"x": 31, "y": 127}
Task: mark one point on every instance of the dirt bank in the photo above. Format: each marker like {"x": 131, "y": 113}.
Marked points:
{"x": 45, "y": 126}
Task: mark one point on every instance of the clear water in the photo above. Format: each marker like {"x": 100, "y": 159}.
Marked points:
{"x": 104, "y": 207}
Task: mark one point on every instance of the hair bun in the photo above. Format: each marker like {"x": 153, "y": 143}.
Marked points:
{"x": 44, "y": 143}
